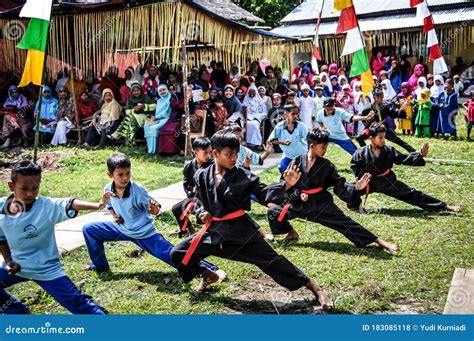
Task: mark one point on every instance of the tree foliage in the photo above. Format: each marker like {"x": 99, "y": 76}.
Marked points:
{"x": 272, "y": 11}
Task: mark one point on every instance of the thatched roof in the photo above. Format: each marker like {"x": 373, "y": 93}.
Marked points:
{"x": 229, "y": 10}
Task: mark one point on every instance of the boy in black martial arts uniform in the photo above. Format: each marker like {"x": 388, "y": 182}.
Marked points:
{"x": 382, "y": 111}
{"x": 224, "y": 191}
{"x": 202, "y": 159}
{"x": 312, "y": 201}
{"x": 378, "y": 159}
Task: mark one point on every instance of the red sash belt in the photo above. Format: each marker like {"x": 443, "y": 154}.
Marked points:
{"x": 367, "y": 188}
{"x": 185, "y": 215}
{"x": 285, "y": 209}
{"x": 366, "y": 130}
{"x": 198, "y": 237}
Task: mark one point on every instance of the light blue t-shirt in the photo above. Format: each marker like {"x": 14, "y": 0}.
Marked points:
{"x": 31, "y": 237}
{"x": 243, "y": 152}
{"x": 334, "y": 124}
{"x": 298, "y": 145}
{"x": 138, "y": 223}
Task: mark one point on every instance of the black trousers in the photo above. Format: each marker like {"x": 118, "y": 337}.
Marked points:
{"x": 178, "y": 209}
{"x": 93, "y": 136}
{"x": 398, "y": 190}
{"x": 389, "y": 135}
{"x": 256, "y": 252}
{"x": 331, "y": 216}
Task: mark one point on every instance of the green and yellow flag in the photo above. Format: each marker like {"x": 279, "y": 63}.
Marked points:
{"x": 35, "y": 39}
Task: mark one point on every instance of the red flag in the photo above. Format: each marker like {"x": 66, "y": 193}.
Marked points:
{"x": 413, "y": 3}
{"x": 435, "y": 52}
{"x": 347, "y": 20}
{"x": 428, "y": 24}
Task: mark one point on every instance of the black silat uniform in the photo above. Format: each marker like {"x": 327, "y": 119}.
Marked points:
{"x": 320, "y": 207}
{"x": 236, "y": 239}
{"x": 364, "y": 161}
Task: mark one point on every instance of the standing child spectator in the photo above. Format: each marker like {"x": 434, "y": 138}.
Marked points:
{"x": 405, "y": 101}
{"x": 422, "y": 120}
{"x": 448, "y": 102}
{"x": 469, "y": 105}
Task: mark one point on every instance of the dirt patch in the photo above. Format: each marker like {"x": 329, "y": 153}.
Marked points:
{"x": 49, "y": 161}
{"x": 407, "y": 306}
{"x": 261, "y": 295}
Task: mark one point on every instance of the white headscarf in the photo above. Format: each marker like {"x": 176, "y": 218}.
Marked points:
{"x": 419, "y": 89}
{"x": 327, "y": 82}
{"x": 357, "y": 93}
{"x": 388, "y": 93}
{"x": 435, "y": 90}
{"x": 256, "y": 106}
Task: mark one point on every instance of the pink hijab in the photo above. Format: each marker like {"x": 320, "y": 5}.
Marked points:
{"x": 332, "y": 67}
{"x": 413, "y": 81}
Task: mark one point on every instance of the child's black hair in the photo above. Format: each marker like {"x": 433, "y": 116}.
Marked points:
{"x": 24, "y": 168}
{"x": 118, "y": 161}
{"x": 376, "y": 128}
{"x": 233, "y": 128}
{"x": 317, "y": 136}
{"x": 219, "y": 99}
{"x": 449, "y": 81}
{"x": 224, "y": 139}
{"x": 201, "y": 143}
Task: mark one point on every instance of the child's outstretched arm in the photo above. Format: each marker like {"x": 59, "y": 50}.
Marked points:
{"x": 12, "y": 267}
{"x": 79, "y": 205}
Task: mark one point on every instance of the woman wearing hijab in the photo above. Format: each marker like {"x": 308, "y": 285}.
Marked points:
{"x": 151, "y": 81}
{"x": 336, "y": 88}
{"x": 420, "y": 86}
{"x": 66, "y": 117}
{"x": 104, "y": 121}
{"x": 332, "y": 71}
{"x": 418, "y": 71}
{"x": 49, "y": 110}
{"x": 256, "y": 113}
{"x": 235, "y": 72}
{"x": 16, "y": 104}
{"x": 266, "y": 99}
{"x": 448, "y": 102}
{"x": 361, "y": 102}
{"x": 232, "y": 105}
{"x": 438, "y": 87}
{"x": 395, "y": 75}
{"x": 139, "y": 107}
{"x": 156, "y": 122}
{"x": 378, "y": 64}
{"x": 405, "y": 102}
{"x": 388, "y": 91}
{"x": 326, "y": 84}
{"x": 85, "y": 107}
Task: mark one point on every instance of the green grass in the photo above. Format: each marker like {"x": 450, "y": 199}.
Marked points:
{"x": 359, "y": 280}
{"x": 83, "y": 173}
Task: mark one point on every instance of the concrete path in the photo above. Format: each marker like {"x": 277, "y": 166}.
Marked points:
{"x": 69, "y": 233}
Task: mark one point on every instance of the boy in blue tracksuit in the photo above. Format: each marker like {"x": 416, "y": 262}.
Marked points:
{"x": 28, "y": 243}
{"x": 132, "y": 209}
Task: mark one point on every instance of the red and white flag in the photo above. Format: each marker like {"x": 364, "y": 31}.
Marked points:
{"x": 435, "y": 54}
{"x": 316, "y": 55}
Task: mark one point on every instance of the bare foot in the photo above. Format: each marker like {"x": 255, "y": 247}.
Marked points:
{"x": 453, "y": 208}
{"x": 86, "y": 268}
{"x": 293, "y": 235}
{"x": 208, "y": 277}
{"x": 222, "y": 275}
{"x": 321, "y": 296}
{"x": 268, "y": 237}
{"x": 392, "y": 248}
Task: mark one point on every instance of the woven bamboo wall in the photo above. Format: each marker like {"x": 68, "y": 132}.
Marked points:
{"x": 154, "y": 31}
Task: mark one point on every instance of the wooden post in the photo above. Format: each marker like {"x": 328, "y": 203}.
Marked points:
{"x": 40, "y": 104}
{"x": 187, "y": 123}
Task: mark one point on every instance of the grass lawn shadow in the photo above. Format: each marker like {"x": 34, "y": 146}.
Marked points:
{"x": 348, "y": 249}
{"x": 411, "y": 212}
{"x": 157, "y": 278}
